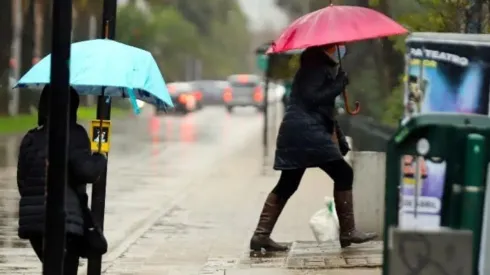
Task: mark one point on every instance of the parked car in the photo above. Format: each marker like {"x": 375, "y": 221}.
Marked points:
{"x": 212, "y": 91}
{"x": 183, "y": 96}
{"x": 244, "y": 90}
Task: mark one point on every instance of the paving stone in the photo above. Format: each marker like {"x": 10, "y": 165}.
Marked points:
{"x": 314, "y": 263}
{"x": 330, "y": 255}
{"x": 335, "y": 262}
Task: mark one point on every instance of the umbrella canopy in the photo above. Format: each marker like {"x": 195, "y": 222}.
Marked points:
{"x": 335, "y": 24}
{"x": 107, "y": 66}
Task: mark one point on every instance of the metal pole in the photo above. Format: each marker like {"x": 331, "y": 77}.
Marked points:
{"x": 474, "y": 16}
{"x": 58, "y": 139}
{"x": 265, "y": 132}
{"x": 103, "y": 113}
{"x": 417, "y": 187}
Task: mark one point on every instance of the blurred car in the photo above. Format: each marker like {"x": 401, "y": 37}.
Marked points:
{"x": 198, "y": 94}
{"x": 212, "y": 91}
{"x": 183, "y": 96}
{"x": 244, "y": 90}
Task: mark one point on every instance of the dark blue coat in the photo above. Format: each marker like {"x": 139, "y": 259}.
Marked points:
{"x": 305, "y": 134}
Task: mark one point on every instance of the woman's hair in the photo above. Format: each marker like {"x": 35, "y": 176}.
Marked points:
{"x": 315, "y": 56}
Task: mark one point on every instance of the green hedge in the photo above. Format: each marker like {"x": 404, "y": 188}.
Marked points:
{"x": 22, "y": 123}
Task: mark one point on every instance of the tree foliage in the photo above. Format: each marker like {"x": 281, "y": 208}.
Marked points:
{"x": 166, "y": 34}
{"x": 212, "y": 31}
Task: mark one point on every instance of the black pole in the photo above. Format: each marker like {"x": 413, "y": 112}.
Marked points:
{"x": 58, "y": 139}
{"x": 103, "y": 113}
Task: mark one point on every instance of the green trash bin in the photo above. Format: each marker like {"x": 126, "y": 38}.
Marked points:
{"x": 459, "y": 144}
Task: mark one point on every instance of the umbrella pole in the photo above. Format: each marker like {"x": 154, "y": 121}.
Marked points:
{"x": 103, "y": 113}
{"x": 58, "y": 139}
{"x": 344, "y": 93}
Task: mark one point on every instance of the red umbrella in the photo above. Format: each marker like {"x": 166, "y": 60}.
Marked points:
{"x": 336, "y": 25}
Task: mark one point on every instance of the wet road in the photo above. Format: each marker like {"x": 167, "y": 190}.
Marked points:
{"x": 164, "y": 154}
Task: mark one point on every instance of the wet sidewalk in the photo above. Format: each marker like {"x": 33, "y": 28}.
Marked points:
{"x": 185, "y": 201}
{"x": 148, "y": 175}
{"x": 208, "y": 230}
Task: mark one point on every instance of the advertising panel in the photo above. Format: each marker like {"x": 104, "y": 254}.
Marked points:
{"x": 440, "y": 77}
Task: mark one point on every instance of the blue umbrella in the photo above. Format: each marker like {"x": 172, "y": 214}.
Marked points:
{"x": 109, "y": 68}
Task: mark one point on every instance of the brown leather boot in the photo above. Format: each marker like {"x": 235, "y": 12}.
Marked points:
{"x": 345, "y": 211}
{"x": 268, "y": 217}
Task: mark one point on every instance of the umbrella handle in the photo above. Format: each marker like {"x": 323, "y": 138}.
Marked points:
{"x": 347, "y": 107}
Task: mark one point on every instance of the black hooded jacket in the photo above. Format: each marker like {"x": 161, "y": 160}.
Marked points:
{"x": 305, "y": 134}
{"x": 83, "y": 168}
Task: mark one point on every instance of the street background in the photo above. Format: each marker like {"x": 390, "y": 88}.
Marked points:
{"x": 184, "y": 192}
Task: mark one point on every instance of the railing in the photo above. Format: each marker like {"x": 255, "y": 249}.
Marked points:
{"x": 367, "y": 134}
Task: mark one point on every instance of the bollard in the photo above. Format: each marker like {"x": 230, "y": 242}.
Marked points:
{"x": 368, "y": 190}
{"x": 473, "y": 191}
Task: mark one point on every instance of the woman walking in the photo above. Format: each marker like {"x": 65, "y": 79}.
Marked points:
{"x": 309, "y": 136}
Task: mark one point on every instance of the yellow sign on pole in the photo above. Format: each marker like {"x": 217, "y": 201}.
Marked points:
{"x": 100, "y": 136}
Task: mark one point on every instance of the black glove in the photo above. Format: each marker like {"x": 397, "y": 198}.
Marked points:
{"x": 344, "y": 146}
{"x": 342, "y": 78}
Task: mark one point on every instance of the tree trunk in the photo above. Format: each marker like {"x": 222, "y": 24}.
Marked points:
{"x": 47, "y": 20}
{"x": 394, "y": 63}
{"x": 390, "y": 62}
{"x": 81, "y": 33}
{"x": 474, "y": 16}
{"x": 5, "y": 49}
{"x": 82, "y": 26}
{"x": 26, "y": 97}
{"x": 358, "y": 52}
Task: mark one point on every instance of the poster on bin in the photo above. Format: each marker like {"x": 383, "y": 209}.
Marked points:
{"x": 439, "y": 78}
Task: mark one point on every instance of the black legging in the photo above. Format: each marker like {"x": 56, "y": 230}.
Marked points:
{"x": 339, "y": 170}
{"x": 72, "y": 255}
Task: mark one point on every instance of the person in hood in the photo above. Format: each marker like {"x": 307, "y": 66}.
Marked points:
{"x": 309, "y": 136}
{"x": 83, "y": 167}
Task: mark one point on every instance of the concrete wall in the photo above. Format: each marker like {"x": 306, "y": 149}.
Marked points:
{"x": 369, "y": 190}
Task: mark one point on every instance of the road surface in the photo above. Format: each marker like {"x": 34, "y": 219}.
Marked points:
{"x": 184, "y": 194}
